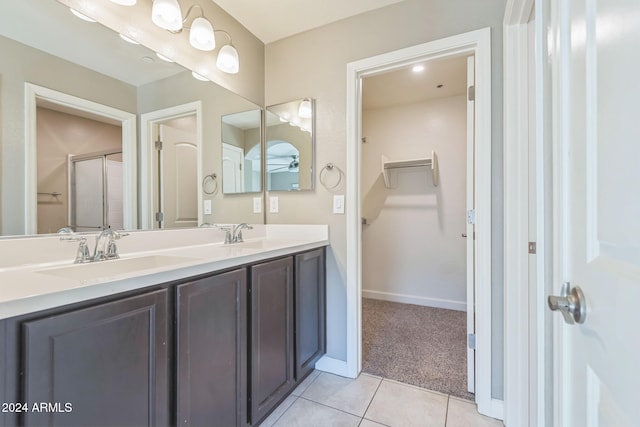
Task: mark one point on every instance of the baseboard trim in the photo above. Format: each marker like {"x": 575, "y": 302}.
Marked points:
{"x": 333, "y": 366}
{"x": 411, "y": 299}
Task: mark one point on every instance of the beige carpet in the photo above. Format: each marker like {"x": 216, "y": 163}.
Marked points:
{"x": 422, "y": 346}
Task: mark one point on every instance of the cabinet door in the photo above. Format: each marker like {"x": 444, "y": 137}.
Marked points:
{"x": 103, "y": 365}
{"x": 310, "y": 310}
{"x": 211, "y": 355}
{"x": 271, "y": 335}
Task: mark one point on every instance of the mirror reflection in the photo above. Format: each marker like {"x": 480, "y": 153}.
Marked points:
{"x": 89, "y": 90}
{"x": 241, "y": 157}
{"x": 290, "y": 145}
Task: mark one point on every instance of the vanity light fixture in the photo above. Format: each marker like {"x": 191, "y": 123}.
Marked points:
{"x": 304, "y": 111}
{"x": 81, "y": 15}
{"x": 167, "y": 14}
{"x": 228, "y": 60}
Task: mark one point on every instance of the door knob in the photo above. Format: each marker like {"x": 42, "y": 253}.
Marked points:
{"x": 570, "y": 303}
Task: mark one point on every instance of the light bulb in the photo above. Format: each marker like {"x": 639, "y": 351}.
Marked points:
{"x": 305, "y": 109}
{"x": 201, "y": 34}
{"x": 228, "y": 60}
{"x": 167, "y": 14}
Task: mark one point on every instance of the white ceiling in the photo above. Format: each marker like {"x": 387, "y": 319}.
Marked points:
{"x": 276, "y": 19}
{"x": 403, "y": 86}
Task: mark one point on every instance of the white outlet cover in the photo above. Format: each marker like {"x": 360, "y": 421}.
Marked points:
{"x": 257, "y": 205}
{"x": 273, "y": 204}
{"x": 338, "y": 204}
{"x": 207, "y": 207}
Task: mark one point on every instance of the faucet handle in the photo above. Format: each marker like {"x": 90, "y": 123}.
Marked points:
{"x": 228, "y": 232}
{"x": 83, "y": 254}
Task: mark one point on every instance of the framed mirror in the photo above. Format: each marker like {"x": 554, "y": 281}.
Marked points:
{"x": 59, "y": 67}
{"x": 241, "y": 152}
{"x": 290, "y": 146}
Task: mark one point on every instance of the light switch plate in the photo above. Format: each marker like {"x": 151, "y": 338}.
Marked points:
{"x": 207, "y": 207}
{"x": 338, "y": 204}
{"x": 273, "y": 204}
{"x": 257, "y": 205}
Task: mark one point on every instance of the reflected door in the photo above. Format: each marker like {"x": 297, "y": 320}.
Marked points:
{"x": 232, "y": 175}
{"x": 178, "y": 176}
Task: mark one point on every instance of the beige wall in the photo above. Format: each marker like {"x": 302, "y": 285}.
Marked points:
{"x": 61, "y": 134}
{"x": 313, "y": 64}
{"x": 411, "y": 247}
{"x": 22, "y": 64}
{"x": 216, "y": 102}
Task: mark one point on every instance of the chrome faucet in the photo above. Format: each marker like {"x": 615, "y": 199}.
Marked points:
{"x": 233, "y": 233}
{"x": 236, "y": 234}
{"x": 105, "y": 245}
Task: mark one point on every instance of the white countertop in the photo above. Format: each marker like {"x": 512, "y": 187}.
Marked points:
{"x": 41, "y": 274}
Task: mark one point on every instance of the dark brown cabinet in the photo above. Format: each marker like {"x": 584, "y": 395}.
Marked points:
{"x": 211, "y": 350}
{"x": 310, "y": 308}
{"x": 221, "y": 349}
{"x": 102, "y": 365}
{"x": 271, "y": 335}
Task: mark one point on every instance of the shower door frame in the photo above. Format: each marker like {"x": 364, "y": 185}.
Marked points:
{"x": 71, "y": 176}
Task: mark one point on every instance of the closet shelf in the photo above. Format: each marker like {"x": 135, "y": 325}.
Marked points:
{"x": 411, "y": 163}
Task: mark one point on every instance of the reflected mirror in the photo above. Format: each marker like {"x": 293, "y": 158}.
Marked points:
{"x": 290, "y": 143}
{"x": 241, "y": 157}
{"x": 46, "y": 49}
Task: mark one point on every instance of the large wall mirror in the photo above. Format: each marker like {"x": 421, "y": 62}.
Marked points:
{"x": 290, "y": 147}
{"x": 77, "y": 99}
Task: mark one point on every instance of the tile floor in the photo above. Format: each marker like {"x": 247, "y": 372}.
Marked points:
{"x": 324, "y": 399}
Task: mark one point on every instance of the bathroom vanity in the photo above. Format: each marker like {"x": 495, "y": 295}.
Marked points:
{"x": 218, "y": 340}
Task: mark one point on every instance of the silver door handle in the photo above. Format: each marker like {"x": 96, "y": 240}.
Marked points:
{"x": 570, "y": 303}
{"x": 464, "y": 235}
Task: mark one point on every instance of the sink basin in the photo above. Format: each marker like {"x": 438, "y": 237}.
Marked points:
{"x": 116, "y": 267}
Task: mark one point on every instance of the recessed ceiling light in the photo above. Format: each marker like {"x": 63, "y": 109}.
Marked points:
{"x": 128, "y": 39}
{"x": 418, "y": 68}
{"x": 81, "y": 15}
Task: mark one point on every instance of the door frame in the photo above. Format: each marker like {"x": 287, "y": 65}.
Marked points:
{"x": 477, "y": 43}
{"x": 147, "y": 179}
{"x": 127, "y": 120}
{"x": 528, "y": 347}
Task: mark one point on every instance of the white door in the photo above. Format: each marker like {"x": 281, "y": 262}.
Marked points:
{"x": 232, "y": 174}
{"x": 595, "y": 53}
{"x": 470, "y": 231}
{"x": 179, "y": 177}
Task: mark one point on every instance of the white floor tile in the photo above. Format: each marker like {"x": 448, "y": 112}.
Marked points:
{"x": 346, "y": 394}
{"x": 277, "y": 413}
{"x": 304, "y": 413}
{"x": 305, "y": 383}
{"x": 465, "y": 414}
{"x": 397, "y": 404}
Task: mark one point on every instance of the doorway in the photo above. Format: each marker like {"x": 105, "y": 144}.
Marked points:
{"x": 171, "y": 192}
{"x": 476, "y": 43}
{"x": 58, "y": 102}
{"x": 417, "y": 307}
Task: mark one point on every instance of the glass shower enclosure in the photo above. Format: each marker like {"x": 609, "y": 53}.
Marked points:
{"x": 95, "y": 188}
